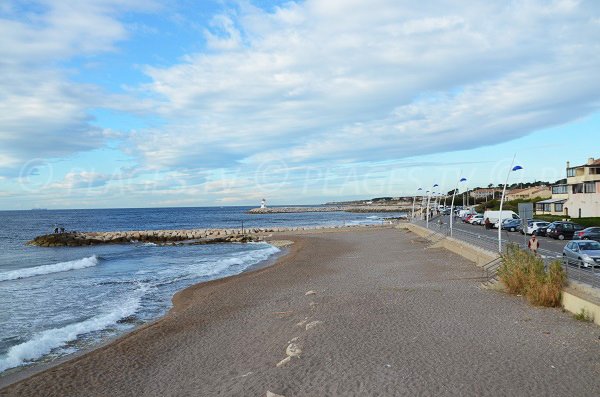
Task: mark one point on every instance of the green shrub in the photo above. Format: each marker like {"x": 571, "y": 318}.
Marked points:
{"x": 584, "y": 315}
{"x": 523, "y": 273}
{"x": 585, "y": 222}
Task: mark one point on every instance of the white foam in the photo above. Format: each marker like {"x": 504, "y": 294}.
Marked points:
{"x": 44, "y": 342}
{"x": 48, "y": 269}
{"x": 243, "y": 261}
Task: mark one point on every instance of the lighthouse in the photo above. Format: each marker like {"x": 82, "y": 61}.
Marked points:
{"x": 263, "y": 203}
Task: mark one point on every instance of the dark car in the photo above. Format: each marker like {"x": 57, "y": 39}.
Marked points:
{"x": 541, "y": 230}
{"x": 590, "y": 233}
{"x": 511, "y": 224}
{"x": 562, "y": 230}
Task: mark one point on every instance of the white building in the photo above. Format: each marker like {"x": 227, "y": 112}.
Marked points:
{"x": 583, "y": 188}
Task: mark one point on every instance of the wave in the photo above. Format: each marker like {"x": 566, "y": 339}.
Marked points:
{"x": 48, "y": 269}
{"x": 46, "y": 341}
{"x": 238, "y": 262}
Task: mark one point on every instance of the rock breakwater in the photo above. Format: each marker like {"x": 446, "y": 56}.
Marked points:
{"x": 167, "y": 237}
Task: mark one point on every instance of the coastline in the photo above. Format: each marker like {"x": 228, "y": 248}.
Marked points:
{"x": 362, "y": 312}
{"x": 179, "y": 300}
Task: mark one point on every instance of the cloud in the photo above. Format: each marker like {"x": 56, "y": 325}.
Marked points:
{"x": 42, "y": 113}
{"x": 343, "y": 81}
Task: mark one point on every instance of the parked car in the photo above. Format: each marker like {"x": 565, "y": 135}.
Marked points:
{"x": 562, "y": 230}
{"x": 541, "y": 230}
{"x": 532, "y": 228}
{"x": 511, "y": 224}
{"x": 582, "y": 253}
{"x": 495, "y": 216}
{"x": 476, "y": 219}
{"x": 467, "y": 218}
{"x": 590, "y": 233}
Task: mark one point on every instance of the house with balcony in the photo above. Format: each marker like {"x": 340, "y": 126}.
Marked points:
{"x": 583, "y": 188}
{"x": 556, "y": 204}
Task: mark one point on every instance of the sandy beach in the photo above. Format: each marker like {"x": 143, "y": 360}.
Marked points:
{"x": 362, "y": 312}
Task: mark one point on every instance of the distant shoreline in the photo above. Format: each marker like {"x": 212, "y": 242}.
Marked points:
{"x": 336, "y": 208}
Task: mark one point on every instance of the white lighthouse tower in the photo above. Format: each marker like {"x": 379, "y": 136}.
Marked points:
{"x": 263, "y": 203}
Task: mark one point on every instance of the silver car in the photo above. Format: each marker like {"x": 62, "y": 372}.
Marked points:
{"x": 583, "y": 253}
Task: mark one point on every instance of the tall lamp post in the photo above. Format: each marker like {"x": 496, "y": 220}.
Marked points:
{"x": 452, "y": 203}
{"x": 427, "y": 209}
{"x": 512, "y": 168}
{"x": 414, "y": 201}
{"x": 423, "y": 203}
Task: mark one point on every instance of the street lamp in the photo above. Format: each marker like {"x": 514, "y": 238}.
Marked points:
{"x": 422, "y": 204}
{"x": 512, "y": 168}
{"x": 428, "y": 201}
{"x": 414, "y": 200}
{"x": 452, "y": 203}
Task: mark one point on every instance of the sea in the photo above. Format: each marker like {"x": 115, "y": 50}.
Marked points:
{"x": 57, "y": 301}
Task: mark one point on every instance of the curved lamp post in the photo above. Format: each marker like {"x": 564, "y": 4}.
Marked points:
{"x": 452, "y": 203}
{"x": 428, "y": 201}
{"x": 512, "y": 168}
{"x": 414, "y": 200}
{"x": 422, "y": 204}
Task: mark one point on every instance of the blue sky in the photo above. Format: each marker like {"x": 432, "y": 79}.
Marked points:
{"x": 135, "y": 103}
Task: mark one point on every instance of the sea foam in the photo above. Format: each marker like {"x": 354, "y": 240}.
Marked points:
{"x": 45, "y": 341}
{"x": 239, "y": 262}
{"x": 48, "y": 269}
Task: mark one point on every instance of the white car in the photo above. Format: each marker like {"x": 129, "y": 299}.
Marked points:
{"x": 476, "y": 219}
{"x": 532, "y": 227}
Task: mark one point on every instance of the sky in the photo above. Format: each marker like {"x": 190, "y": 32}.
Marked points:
{"x": 149, "y": 103}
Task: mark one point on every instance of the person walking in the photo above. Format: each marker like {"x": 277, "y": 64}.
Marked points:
{"x": 533, "y": 244}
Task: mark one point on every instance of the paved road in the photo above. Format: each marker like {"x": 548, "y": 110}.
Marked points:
{"x": 546, "y": 243}
{"x": 550, "y": 249}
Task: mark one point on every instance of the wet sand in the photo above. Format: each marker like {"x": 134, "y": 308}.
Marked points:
{"x": 385, "y": 317}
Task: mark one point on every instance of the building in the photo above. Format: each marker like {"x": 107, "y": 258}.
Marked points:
{"x": 556, "y": 204}
{"x": 479, "y": 194}
{"x": 583, "y": 188}
{"x": 529, "y": 193}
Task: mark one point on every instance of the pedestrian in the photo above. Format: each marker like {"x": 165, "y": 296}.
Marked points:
{"x": 55, "y": 230}
{"x": 533, "y": 244}
{"x": 488, "y": 224}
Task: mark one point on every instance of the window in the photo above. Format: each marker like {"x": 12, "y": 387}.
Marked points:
{"x": 595, "y": 171}
{"x": 578, "y": 188}
{"x": 570, "y": 172}
{"x": 547, "y": 208}
{"x": 589, "y": 187}
{"x": 558, "y": 207}
{"x": 559, "y": 189}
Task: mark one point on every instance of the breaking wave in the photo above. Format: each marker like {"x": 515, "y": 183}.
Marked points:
{"x": 48, "y": 269}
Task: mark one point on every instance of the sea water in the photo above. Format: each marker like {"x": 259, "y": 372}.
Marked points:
{"x": 57, "y": 301}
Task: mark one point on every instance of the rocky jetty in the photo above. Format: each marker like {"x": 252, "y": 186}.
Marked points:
{"x": 147, "y": 236}
{"x": 166, "y": 237}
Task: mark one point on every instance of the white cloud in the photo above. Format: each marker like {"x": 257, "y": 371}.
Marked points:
{"x": 42, "y": 113}
{"x": 358, "y": 81}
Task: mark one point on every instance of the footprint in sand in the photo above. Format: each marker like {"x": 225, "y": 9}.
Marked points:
{"x": 313, "y": 324}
